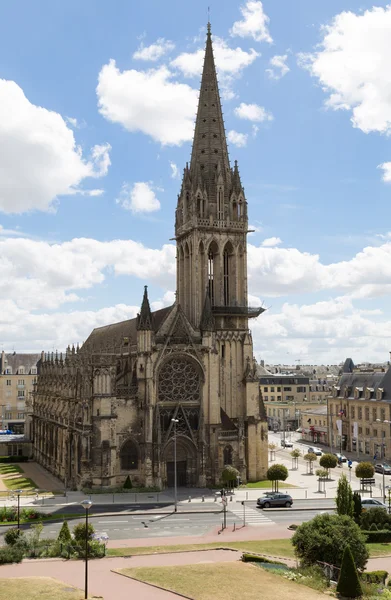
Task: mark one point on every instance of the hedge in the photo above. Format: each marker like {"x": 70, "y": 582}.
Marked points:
{"x": 378, "y": 537}
{"x": 375, "y": 576}
{"x": 260, "y": 559}
{"x": 13, "y": 459}
{"x": 10, "y": 555}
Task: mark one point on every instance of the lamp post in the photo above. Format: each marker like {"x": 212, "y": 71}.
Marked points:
{"x": 87, "y": 505}
{"x": 175, "y": 421}
{"x": 18, "y": 493}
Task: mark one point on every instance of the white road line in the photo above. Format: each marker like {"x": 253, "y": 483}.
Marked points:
{"x": 253, "y": 517}
{"x": 110, "y": 522}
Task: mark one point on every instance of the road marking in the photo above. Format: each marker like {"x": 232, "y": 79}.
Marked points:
{"x": 110, "y": 522}
{"x": 253, "y": 517}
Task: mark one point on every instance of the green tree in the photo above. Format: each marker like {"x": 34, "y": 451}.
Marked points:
{"x": 310, "y": 457}
{"x": 365, "y": 470}
{"x": 325, "y": 537}
{"x": 357, "y": 511}
{"x": 79, "y": 532}
{"x": 349, "y": 585}
{"x": 277, "y": 473}
{"x": 328, "y": 461}
{"x": 128, "y": 484}
{"x": 64, "y": 537}
{"x": 344, "y": 499}
{"x": 295, "y": 457}
{"x": 321, "y": 473}
{"x": 12, "y": 536}
{"x": 229, "y": 475}
{"x": 377, "y": 516}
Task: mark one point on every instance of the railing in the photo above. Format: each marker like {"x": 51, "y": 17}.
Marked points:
{"x": 331, "y": 572}
{"x": 229, "y": 434}
{"x": 247, "y": 311}
{"x": 126, "y": 390}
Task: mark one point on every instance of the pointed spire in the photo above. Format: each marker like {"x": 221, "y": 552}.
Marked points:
{"x": 210, "y": 144}
{"x": 236, "y": 183}
{"x": 207, "y": 319}
{"x": 144, "y": 319}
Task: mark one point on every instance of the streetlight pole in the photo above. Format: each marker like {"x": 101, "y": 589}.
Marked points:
{"x": 175, "y": 421}
{"x": 87, "y": 505}
{"x": 18, "y": 492}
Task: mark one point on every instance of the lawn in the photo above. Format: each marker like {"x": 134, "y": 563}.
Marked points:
{"x": 221, "y": 580}
{"x": 268, "y": 485}
{"x": 9, "y": 469}
{"x": 379, "y": 550}
{"x": 37, "y": 588}
{"x": 13, "y": 480}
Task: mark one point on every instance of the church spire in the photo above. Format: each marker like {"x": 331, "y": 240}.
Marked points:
{"x": 144, "y": 318}
{"x": 210, "y": 144}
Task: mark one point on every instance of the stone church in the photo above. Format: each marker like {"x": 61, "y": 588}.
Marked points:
{"x": 110, "y": 408}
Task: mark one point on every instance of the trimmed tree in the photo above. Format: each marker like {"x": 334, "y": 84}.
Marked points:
{"x": 277, "y": 473}
{"x": 64, "y": 537}
{"x": 349, "y": 585}
{"x": 295, "y": 457}
{"x": 365, "y": 470}
{"x": 310, "y": 457}
{"x": 128, "y": 484}
{"x": 328, "y": 461}
{"x": 324, "y": 539}
{"x": 357, "y": 508}
{"x": 229, "y": 475}
{"x": 344, "y": 499}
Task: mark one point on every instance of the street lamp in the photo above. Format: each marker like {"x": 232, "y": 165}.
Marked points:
{"x": 175, "y": 421}
{"x": 87, "y": 505}
{"x": 18, "y": 493}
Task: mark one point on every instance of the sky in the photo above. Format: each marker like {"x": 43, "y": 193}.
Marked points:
{"x": 97, "y": 109}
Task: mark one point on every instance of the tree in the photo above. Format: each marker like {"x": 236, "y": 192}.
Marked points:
{"x": 310, "y": 457}
{"x": 377, "y": 516}
{"x": 276, "y": 473}
{"x": 325, "y": 537}
{"x": 328, "y": 461}
{"x": 365, "y": 470}
{"x": 229, "y": 475}
{"x": 344, "y": 499}
{"x": 79, "y": 532}
{"x": 128, "y": 484}
{"x": 349, "y": 585}
{"x": 64, "y": 537}
{"x": 357, "y": 510}
{"x": 272, "y": 449}
{"x": 295, "y": 457}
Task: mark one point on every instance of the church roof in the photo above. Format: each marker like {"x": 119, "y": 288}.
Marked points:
{"x": 112, "y": 336}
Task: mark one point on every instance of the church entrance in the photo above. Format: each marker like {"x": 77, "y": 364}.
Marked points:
{"x": 180, "y": 473}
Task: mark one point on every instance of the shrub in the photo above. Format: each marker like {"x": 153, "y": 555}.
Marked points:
{"x": 128, "y": 483}
{"x": 64, "y": 537}
{"x": 12, "y": 536}
{"x": 324, "y": 539}
{"x": 322, "y": 473}
{"x": 357, "y": 508}
{"x": 344, "y": 499}
{"x": 8, "y": 514}
{"x": 373, "y": 527}
{"x": 30, "y": 514}
{"x": 246, "y": 557}
{"x": 10, "y": 555}
{"x": 277, "y": 473}
{"x": 229, "y": 474}
{"x": 295, "y": 453}
{"x": 95, "y": 549}
{"x": 365, "y": 470}
{"x": 378, "y": 537}
{"x": 349, "y": 584}
{"x": 79, "y": 532}
{"x": 375, "y": 576}
{"x": 328, "y": 461}
{"x": 376, "y": 515}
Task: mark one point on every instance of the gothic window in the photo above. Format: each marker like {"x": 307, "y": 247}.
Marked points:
{"x": 220, "y": 205}
{"x": 179, "y": 381}
{"x": 201, "y": 206}
{"x": 211, "y": 277}
{"x": 228, "y": 455}
{"x": 240, "y": 209}
{"x": 129, "y": 456}
{"x": 226, "y": 277}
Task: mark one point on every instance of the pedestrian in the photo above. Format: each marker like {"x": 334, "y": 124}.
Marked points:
{"x": 221, "y": 492}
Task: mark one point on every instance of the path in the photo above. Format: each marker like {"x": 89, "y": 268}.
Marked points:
{"x": 252, "y": 516}
{"x": 102, "y": 580}
{"x": 42, "y": 478}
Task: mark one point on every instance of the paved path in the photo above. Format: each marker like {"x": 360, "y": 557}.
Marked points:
{"x": 42, "y": 478}
{"x": 112, "y": 586}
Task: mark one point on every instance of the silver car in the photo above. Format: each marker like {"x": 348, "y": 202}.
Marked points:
{"x": 275, "y": 499}
{"x": 367, "y": 503}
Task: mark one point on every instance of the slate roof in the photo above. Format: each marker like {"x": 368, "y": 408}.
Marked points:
{"x": 369, "y": 379}
{"x": 16, "y": 360}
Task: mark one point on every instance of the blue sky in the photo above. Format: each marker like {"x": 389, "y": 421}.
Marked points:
{"x": 97, "y": 101}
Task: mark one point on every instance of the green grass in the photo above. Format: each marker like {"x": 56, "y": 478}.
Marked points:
{"x": 10, "y": 469}
{"x": 379, "y": 550}
{"x": 38, "y": 588}
{"x": 268, "y": 485}
{"x": 19, "y": 483}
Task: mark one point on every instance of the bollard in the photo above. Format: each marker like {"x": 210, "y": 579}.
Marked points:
{"x": 189, "y": 498}
{"x": 215, "y": 498}
{"x": 234, "y": 526}
{"x": 230, "y": 498}
{"x": 203, "y": 498}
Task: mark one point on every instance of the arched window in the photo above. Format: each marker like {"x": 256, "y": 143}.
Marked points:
{"x": 211, "y": 277}
{"x": 226, "y": 277}
{"x": 220, "y": 205}
{"x": 240, "y": 209}
{"x": 129, "y": 456}
{"x": 228, "y": 455}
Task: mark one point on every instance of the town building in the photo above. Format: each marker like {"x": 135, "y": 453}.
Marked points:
{"x": 359, "y": 412}
{"x": 18, "y": 374}
{"x": 181, "y": 377}
{"x": 314, "y": 424}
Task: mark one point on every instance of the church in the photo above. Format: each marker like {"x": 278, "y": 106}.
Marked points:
{"x": 113, "y": 407}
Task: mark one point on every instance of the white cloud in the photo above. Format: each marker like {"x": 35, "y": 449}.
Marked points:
{"x": 40, "y": 158}
{"x": 72, "y": 121}
{"x": 236, "y": 138}
{"x": 254, "y": 23}
{"x": 386, "y": 171}
{"x": 154, "y": 51}
{"x": 253, "y": 112}
{"x": 169, "y": 121}
{"x": 174, "y": 170}
{"x": 140, "y": 198}
{"x": 254, "y": 129}
{"x": 271, "y": 242}
{"x": 279, "y": 68}
{"x": 167, "y": 300}
{"x": 352, "y": 65}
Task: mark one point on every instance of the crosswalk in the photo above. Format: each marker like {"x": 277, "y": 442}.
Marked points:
{"x": 253, "y": 517}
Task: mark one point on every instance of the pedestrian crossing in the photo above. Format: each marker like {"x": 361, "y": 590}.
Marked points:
{"x": 252, "y": 516}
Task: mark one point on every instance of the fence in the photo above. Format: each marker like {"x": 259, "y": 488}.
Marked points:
{"x": 331, "y": 572}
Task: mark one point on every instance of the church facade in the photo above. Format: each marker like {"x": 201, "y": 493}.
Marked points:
{"x": 112, "y": 407}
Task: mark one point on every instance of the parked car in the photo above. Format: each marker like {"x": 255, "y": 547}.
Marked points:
{"x": 286, "y": 444}
{"x": 368, "y": 503}
{"x": 314, "y": 450}
{"x": 340, "y": 457}
{"x": 386, "y": 469}
{"x": 275, "y": 499}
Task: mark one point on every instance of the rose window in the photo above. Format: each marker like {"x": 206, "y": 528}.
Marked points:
{"x": 179, "y": 381}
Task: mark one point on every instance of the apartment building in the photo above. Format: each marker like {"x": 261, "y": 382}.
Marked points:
{"x": 314, "y": 424}
{"x": 18, "y": 373}
{"x": 359, "y": 412}
{"x": 284, "y": 397}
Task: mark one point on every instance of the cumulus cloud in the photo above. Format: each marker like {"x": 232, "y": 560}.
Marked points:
{"x": 154, "y": 51}
{"x": 386, "y": 167}
{"x": 236, "y": 138}
{"x": 169, "y": 121}
{"x": 254, "y": 23}
{"x": 174, "y": 170}
{"x": 253, "y": 112}
{"x": 271, "y": 242}
{"x": 40, "y": 158}
{"x": 139, "y": 198}
{"x": 278, "y": 65}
